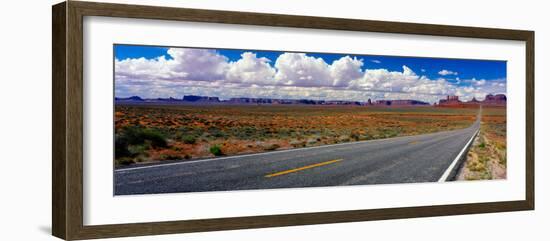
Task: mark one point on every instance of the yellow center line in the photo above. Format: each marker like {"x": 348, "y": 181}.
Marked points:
{"x": 303, "y": 168}
{"x": 414, "y": 142}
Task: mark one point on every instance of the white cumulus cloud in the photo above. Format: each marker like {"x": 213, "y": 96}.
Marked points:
{"x": 251, "y": 70}
{"x": 186, "y": 63}
{"x": 447, "y": 72}
{"x": 198, "y": 64}
{"x": 292, "y": 75}
{"x": 298, "y": 69}
{"x": 345, "y": 70}
{"x": 385, "y": 80}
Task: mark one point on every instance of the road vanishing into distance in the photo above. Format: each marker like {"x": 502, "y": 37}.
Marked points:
{"x": 420, "y": 158}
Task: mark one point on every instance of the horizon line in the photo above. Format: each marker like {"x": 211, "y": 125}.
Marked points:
{"x": 306, "y": 99}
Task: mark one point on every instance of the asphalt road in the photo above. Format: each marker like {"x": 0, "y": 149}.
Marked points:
{"x": 420, "y": 158}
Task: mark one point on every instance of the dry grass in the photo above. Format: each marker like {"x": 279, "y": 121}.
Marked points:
{"x": 487, "y": 157}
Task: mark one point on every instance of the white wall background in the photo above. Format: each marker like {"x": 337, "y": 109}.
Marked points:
{"x": 25, "y": 119}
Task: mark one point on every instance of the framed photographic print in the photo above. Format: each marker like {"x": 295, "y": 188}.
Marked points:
{"x": 171, "y": 120}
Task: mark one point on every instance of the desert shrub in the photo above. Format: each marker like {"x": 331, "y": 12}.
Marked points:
{"x": 272, "y": 147}
{"x": 189, "y": 131}
{"x": 245, "y": 133}
{"x": 137, "y": 136}
{"x": 479, "y": 165}
{"x": 121, "y": 147}
{"x": 142, "y": 158}
{"x": 216, "y": 150}
{"x": 216, "y": 133}
{"x": 170, "y": 157}
{"x": 124, "y": 161}
{"x": 502, "y": 158}
{"x": 132, "y": 142}
{"x": 388, "y": 133}
{"x": 482, "y": 145}
{"x": 157, "y": 139}
{"x": 298, "y": 143}
{"x": 343, "y": 139}
{"x": 355, "y": 135}
{"x": 188, "y": 139}
{"x": 136, "y": 150}
{"x": 501, "y": 146}
{"x": 475, "y": 166}
{"x": 364, "y": 137}
{"x": 284, "y": 132}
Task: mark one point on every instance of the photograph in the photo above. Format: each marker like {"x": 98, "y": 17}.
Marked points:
{"x": 189, "y": 119}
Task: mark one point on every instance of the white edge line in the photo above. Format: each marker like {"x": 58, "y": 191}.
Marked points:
{"x": 457, "y": 158}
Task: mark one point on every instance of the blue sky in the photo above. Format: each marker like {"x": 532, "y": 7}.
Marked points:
{"x": 190, "y": 68}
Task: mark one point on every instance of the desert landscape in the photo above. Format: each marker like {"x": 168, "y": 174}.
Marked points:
{"x": 157, "y": 131}
{"x": 147, "y": 133}
{"x": 198, "y": 119}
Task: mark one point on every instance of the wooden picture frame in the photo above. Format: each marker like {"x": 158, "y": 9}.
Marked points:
{"x": 67, "y": 77}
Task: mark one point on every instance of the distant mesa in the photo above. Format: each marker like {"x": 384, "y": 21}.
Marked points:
{"x": 244, "y": 100}
{"x": 450, "y": 101}
{"x": 195, "y": 98}
{"x": 498, "y": 100}
{"x": 168, "y": 99}
{"x": 132, "y": 98}
{"x": 400, "y": 102}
